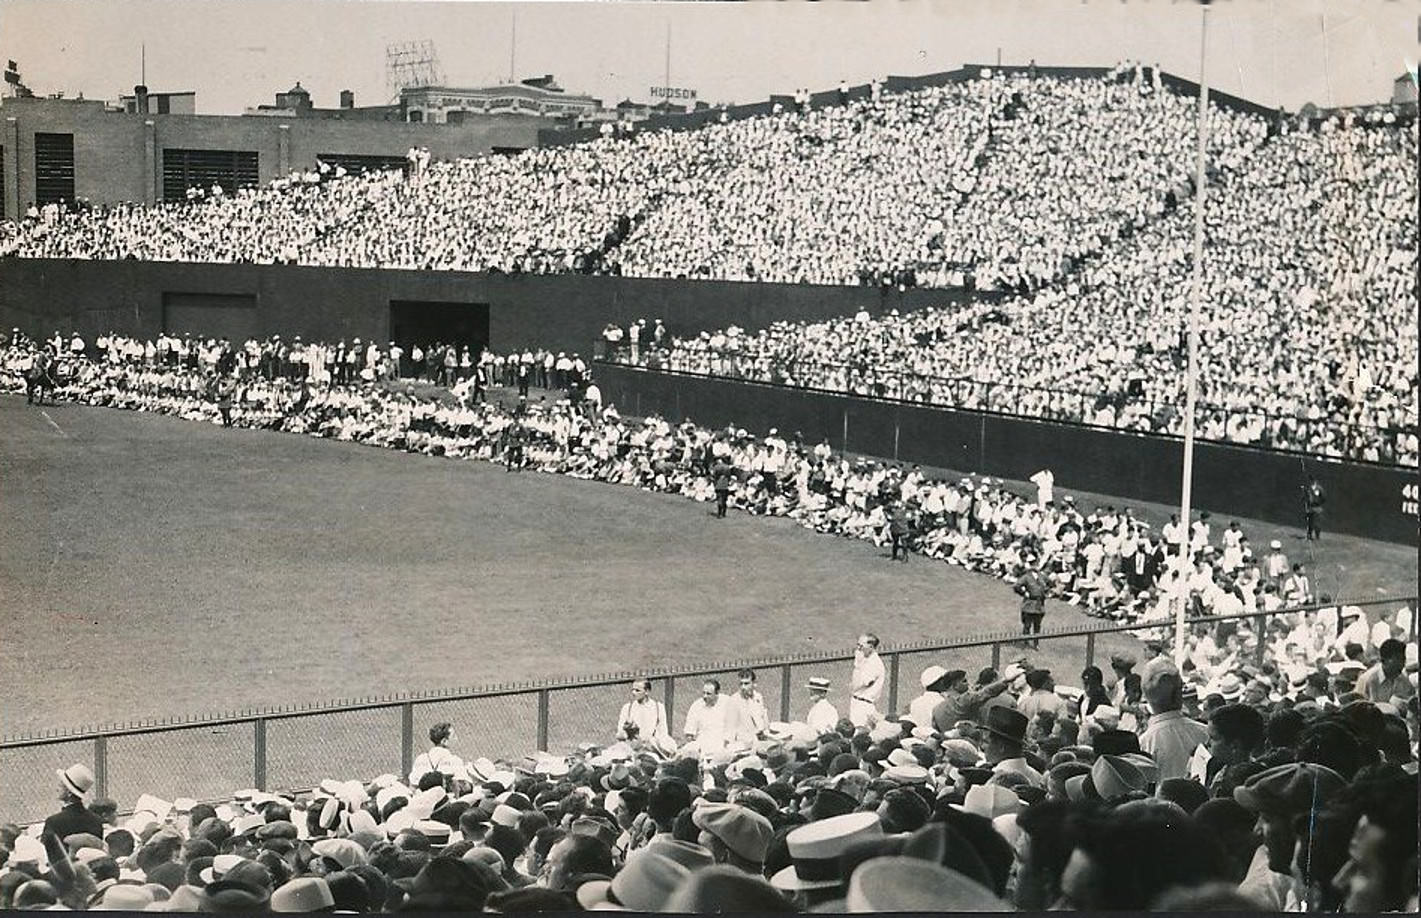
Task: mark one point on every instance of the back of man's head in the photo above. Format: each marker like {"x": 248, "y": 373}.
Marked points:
{"x": 1165, "y": 692}
{"x": 586, "y": 854}
{"x": 668, "y": 797}
{"x": 1241, "y": 725}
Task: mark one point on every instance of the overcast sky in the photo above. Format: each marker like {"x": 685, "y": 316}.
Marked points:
{"x": 238, "y": 53}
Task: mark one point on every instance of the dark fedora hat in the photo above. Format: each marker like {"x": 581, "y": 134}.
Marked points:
{"x": 1007, "y": 723}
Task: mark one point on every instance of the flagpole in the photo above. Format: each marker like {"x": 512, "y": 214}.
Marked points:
{"x": 1191, "y": 372}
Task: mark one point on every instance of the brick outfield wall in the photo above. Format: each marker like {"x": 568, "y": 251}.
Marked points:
{"x": 1366, "y": 500}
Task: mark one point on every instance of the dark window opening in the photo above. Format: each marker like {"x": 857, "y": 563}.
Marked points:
{"x": 229, "y": 169}
{"x": 356, "y": 163}
{"x": 54, "y": 168}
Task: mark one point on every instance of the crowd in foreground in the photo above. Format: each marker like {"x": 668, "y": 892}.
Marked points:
{"x": 1103, "y": 559}
{"x": 1134, "y": 791}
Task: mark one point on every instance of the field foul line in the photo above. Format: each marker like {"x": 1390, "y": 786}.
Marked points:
{"x": 52, "y": 424}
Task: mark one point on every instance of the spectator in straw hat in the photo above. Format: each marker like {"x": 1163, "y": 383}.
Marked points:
{"x": 75, "y": 783}
{"x": 822, "y": 716}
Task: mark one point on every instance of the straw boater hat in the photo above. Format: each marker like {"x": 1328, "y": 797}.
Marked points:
{"x": 815, "y": 848}
{"x": 76, "y": 779}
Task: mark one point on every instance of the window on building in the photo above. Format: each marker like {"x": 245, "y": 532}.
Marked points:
{"x": 455, "y": 116}
{"x": 416, "y": 117}
{"x": 184, "y": 169}
{"x": 54, "y": 168}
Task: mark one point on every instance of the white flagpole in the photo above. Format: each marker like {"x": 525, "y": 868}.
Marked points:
{"x": 1191, "y": 372}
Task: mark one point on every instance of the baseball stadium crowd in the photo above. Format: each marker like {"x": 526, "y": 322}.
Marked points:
{"x": 1073, "y": 197}
{"x": 927, "y": 187}
{"x": 1103, "y": 559}
{"x": 1260, "y": 789}
{"x": 1309, "y": 297}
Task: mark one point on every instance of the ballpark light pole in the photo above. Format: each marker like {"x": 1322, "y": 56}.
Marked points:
{"x": 1191, "y": 372}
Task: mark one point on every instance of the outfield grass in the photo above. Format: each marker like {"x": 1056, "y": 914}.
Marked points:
{"x": 154, "y": 567}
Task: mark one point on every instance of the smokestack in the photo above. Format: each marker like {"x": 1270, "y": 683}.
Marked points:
{"x": 140, "y": 99}
{"x": 347, "y": 99}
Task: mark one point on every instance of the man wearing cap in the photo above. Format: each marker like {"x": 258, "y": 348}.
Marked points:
{"x": 1275, "y": 565}
{"x": 933, "y": 681}
{"x": 706, "y": 721}
{"x": 1034, "y": 587}
{"x": 822, "y": 717}
{"x": 74, "y": 818}
{"x": 1314, "y": 497}
{"x": 959, "y": 704}
{"x": 734, "y": 834}
{"x": 869, "y": 676}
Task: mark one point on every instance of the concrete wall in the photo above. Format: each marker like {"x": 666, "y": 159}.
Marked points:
{"x": 118, "y": 156}
{"x": 565, "y": 312}
{"x": 1363, "y": 499}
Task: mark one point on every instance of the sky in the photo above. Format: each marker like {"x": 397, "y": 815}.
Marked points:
{"x": 238, "y": 53}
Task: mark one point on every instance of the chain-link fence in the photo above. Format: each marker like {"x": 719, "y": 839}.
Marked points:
{"x": 291, "y": 750}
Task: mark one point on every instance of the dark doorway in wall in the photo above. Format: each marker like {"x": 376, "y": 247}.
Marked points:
{"x": 211, "y": 315}
{"x": 424, "y": 323}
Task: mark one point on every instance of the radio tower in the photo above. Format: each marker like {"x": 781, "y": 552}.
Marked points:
{"x": 411, "y": 64}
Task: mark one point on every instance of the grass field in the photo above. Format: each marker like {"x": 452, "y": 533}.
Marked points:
{"x": 154, "y": 567}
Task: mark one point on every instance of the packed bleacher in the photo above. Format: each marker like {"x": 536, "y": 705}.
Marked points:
{"x": 1106, "y": 560}
{"x": 1306, "y": 333}
{"x": 1247, "y": 785}
{"x": 1073, "y": 195}
{"x": 1008, "y": 180}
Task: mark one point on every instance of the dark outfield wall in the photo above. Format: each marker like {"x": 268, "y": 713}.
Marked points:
{"x": 1366, "y": 500}
{"x": 564, "y": 312}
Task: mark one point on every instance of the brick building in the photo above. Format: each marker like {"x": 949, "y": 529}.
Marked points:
{"x": 65, "y": 150}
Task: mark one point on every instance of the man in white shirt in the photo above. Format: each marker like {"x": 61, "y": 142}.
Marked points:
{"x": 1045, "y": 481}
{"x": 647, "y": 716}
{"x": 934, "y": 682}
{"x": 706, "y": 720}
{"x": 869, "y": 677}
{"x": 747, "y": 717}
{"x": 823, "y": 717}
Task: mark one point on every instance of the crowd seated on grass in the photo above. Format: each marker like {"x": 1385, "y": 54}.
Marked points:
{"x": 1104, "y": 559}
{"x": 1144, "y": 790}
{"x": 1306, "y": 342}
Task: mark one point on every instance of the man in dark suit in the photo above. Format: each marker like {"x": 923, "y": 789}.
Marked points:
{"x": 74, "y": 817}
{"x": 1314, "y": 497}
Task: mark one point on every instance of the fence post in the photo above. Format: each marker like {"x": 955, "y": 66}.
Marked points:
{"x": 543, "y": 718}
{"x": 101, "y": 766}
{"x": 996, "y": 656}
{"x": 259, "y": 754}
{"x": 786, "y": 689}
{"x": 670, "y": 704}
{"x": 1090, "y": 650}
{"x": 845, "y": 447}
{"x": 893, "y": 682}
{"x": 406, "y": 737}
{"x": 1260, "y": 629}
